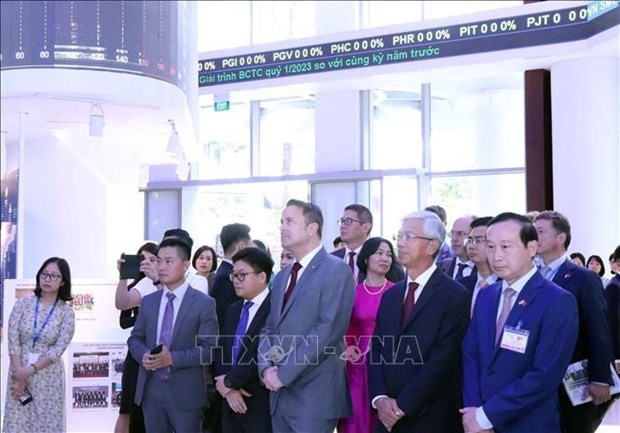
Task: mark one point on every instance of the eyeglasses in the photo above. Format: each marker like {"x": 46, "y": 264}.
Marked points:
{"x": 53, "y": 277}
{"x": 460, "y": 233}
{"x": 240, "y": 276}
{"x": 408, "y": 236}
{"x": 348, "y": 221}
{"x": 479, "y": 240}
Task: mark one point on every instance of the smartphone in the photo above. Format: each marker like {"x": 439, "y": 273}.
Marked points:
{"x": 130, "y": 269}
{"x": 25, "y": 398}
{"x": 157, "y": 349}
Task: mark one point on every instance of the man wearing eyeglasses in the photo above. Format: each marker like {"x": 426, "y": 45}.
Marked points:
{"x": 355, "y": 226}
{"x": 414, "y": 370}
{"x": 246, "y": 405}
{"x": 459, "y": 266}
{"x": 476, "y": 245}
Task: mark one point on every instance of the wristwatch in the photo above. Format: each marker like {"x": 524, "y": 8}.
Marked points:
{"x": 227, "y": 382}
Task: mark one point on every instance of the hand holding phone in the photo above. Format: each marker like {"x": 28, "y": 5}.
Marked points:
{"x": 157, "y": 349}
{"x": 130, "y": 267}
{"x": 25, "y": 398}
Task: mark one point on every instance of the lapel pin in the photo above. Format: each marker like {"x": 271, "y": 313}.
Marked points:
{"x": 566, "y": 276}
{"x": 523, "y": 303}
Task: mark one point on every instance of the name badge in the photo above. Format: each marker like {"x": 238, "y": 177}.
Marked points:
{"x": 33, "y": 357}
{"x": 514, "y": 339}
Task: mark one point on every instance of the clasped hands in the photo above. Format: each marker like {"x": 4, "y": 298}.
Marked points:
{"x": 18, "y": 381}
{"x": 153, "y": 362}
{"x": 470, "y": 424}
{"x": 271, "y": 380}
{"x": 234, "y": 397}
{"x": 388, "y": 411}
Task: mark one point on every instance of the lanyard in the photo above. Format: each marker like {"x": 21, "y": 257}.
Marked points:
{"x": 35, "y": 334}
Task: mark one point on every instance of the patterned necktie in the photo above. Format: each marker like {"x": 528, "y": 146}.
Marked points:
{"x": 506, "y": 306}
{"x": 351, "y": 261}
{"x": 409, "y": 302}
{"x": 483, "y": 284}
{"x": 292, "y": 283}
{"x": 165, "y": 335}
{"x": 459, "y": 272}
{"x": 241, "y": 330}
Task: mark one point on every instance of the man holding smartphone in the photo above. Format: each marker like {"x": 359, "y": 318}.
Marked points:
{"x": 181, "y": 320}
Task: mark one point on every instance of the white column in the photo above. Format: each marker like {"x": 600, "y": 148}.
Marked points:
{"x": 585, "y": 100}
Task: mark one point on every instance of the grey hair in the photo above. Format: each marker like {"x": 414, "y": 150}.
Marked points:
{"x": 432, "y": 225}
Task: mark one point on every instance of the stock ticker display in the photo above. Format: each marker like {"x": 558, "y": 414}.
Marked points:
{"x": 139, "y": 37}
{"x": 542, "y": 28}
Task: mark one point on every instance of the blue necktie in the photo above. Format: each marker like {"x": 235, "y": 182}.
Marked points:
{"x": 459, "y": 272}
{"x": 240, "y": 331}
{"x": 165, "y": 335}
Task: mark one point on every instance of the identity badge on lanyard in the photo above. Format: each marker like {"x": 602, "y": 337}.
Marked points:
{"x": 34, "y": 357}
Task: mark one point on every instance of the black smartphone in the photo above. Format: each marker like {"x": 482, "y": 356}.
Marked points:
{"x": 157, "y": 349}
{"x": 130, "y": 269}
{"x": 25, "y": 398}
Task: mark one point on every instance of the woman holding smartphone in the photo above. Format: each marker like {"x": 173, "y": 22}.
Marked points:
{"x": 40, "y": 330}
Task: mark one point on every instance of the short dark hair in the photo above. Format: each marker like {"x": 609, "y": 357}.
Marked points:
{"x": 577, "y": 255}
{"x": 64, "y": 293}
{"x": 231, "y": 234}
{"x": 363, "y": 214}
{"x": 182, "y": 247}
{"x": 180, "y": 234}
{"x": 527, "y": 233}
{"x": 258, "y": 260}
{"x": 337, "y": 240}
{"x": 312, "y": 213}
{"x": 439, "y": 211}
{"x": 201, "y": 250}
{"x": 263, "y": 246}
{"x": 559, "y": 223}
{"x": 480, "y": 222}
{"x": 616, "y": 254}
{"x": 597, "y": 259}
{"x": 368, "y": 249}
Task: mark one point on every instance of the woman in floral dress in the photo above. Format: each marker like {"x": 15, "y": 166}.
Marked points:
{"x": 40, "y": 329}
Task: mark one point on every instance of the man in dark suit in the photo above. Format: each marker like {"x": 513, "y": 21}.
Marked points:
{"x": 355, "y": 226}
{"x": 519, "y": 341}
{"x": 302, "y": 342}
{"x": 459, "y": 266}
{"x": 445, "y": 252}
{"x": 171, "y": 385}
{"x": 612, "y": 295}
{"x": 593, "y": 343}
{"x": 246, "y": 405}
{"x": 414, "y": 366}
{"x": 234, "y": 237}
{"x": 476, "y": 246}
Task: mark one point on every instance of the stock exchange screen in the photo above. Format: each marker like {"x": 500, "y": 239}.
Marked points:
{"x": 140, "y": 37}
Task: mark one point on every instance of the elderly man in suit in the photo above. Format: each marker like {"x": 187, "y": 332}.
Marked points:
{"x": 593, "y": 343}
{"x": 246, "y": 406}
{"x": 171, "y": 385}
{"x": 520, "y": 339}
{"x": 414, "y": 365}
{"x": 302, "y": 342}
{"x": 459, "y": 266}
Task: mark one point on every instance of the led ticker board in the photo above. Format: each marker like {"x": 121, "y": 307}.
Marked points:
{"x": 140, "y": 37}
{"x": 526, "y": 30}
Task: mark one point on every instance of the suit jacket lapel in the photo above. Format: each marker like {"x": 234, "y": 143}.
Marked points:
{"x": 564, "y": 273}
{"x": 186, "y": 305}
{"x": 152, "y": 324}
{"x": 302, "y": 281}
{"x": 427, "y": 293}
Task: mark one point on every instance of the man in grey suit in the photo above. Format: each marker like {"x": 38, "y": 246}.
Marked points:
{"x": 171, "y": 384}
{"x": 301, "y": 344}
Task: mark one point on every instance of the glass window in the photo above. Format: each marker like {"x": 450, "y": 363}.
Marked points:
{"x": 225, "y": 141}
{"x": 448, "y": 8}
{"x": 223, "y": 25}
{"x": 479, "y": 195}
{"x": 258, "y": 205}
{"x": 281, "y": 20}
{"x": 477, "y": 123}
{"x": 396, "y": 138}
{"x": 397, "y": 197}
{"x": 287, "y": 137}
{"x": 385, "y": 13}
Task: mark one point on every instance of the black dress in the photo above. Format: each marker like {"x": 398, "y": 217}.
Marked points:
{"x": 130, "y": 379}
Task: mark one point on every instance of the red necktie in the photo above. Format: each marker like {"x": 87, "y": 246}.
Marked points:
{"x": 351, "y": 262}
{"x": 291, "y": 283}
{"x": 409, "y": 302}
